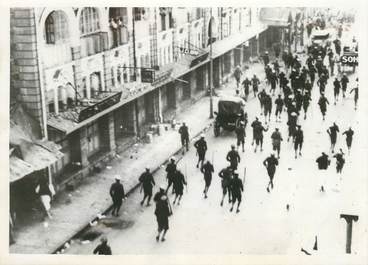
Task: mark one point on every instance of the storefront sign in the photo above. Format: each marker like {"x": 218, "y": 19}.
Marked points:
{"x": 98, "y": 107}
{"x": 147, "y": 75}
{"x": 187, "y": 51}
{"x": 349, "y": 59}
{"x": 199, "y": 59}
{"x": 162, "y": 77}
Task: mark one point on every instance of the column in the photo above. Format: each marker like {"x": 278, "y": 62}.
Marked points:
{"x": 111, "y": 133}
{"x": 83, "y": 146}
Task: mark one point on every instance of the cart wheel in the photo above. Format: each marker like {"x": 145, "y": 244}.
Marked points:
{"x": 216, "y": 130}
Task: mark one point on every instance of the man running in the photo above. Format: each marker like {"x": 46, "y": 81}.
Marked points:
{"x": 292, "y": 122}
{"x": 226, "y": 177}
{"x": 356, "y": 94}
{"x": 306, "y": 99}
{"x": 170, "y": 170}
{"x": 323, "y": 163}
{"x": 179, "y": 182}
{"x": 147, "y": 182}
{"x": 267, "y": 107}
{"x": 233, "y": 157}
{"x": 337, "y": 87}
{"x": 270, "y": 163}
{"x": 279, "y": 102}
{"x": 240, "y": 135}
{"x": 117, "y": 194}
{"x": 276, "y": 141}
{"x": 184, "y": 136}
{"x": 349, "y": 138}
{"x": 261, "y": 97}
{"x": 201, "y": 146}
{"x": 236, "y": 189}
{"x": 207, "y": 170}
{"x": 255, "y": 123}
{"x": 246, "y": 84}
{"x": 237, "y": 75}
{"x": 255, "y": 84}
{"x": 258, "y": 135}
{"x": 162, "y": 212}
{"x": 344, "y": 84}
{"x": 340, "y": 161}
{"x": 322, "y": 102}
{"x": 332, "y": 132}
{"x": 298, "y": 141}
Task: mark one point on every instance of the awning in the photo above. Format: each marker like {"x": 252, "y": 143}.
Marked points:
{"x": 275, "y": 16}
{"x": 18, "y": 168}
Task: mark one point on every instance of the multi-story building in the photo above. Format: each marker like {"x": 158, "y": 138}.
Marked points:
{"x": 96, "y": 77}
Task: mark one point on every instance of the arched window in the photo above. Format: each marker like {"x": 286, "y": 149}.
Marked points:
{"x": 89, "y": 21}
{"x": 56, "y": 27}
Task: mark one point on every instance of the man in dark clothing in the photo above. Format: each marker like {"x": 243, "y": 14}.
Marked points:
{"x": 337, "y": 87}
{"x": 306, "y": 99}
{"x": 240, "y": 135}
{"x": 270, "y": 163}
{"x": 236, "y": 189}
{"x": 298, "y": 100}
{"x": 255, "y": 84}
{"x": 246, "y": 84}
{"x": 237, "y": 75}
{"x": 340, "y": 161}
{"x": 261, "y": 97}
{"x": 266, "y": 58}
{"x": 344, "y": 83}
{"x": 103, "y": 248}
{"x": 147, "y": 182}
{"x": 117, "y": 194}
{"x": 170, "y": 170}
{"x": 279, "y": 106}
{"x": 201, "y": 146}
{"x": 184, "y": 135}
{"x": 332, "y": 132}
{"x": 179, "y": 182}
{"x": 298, "y": 140}
{"x": 356, "y": 95}
{"x": 273, "y": 82}
{"x": 253, "y": 125}
{"x": 323, "y": 163}
{"x": 349, "y": 138}
{"x": 162, "y": 212}
{"x": 276, "y": 141}
{"x": 312, "y": 74}
{"x": 282, "y": 80}
{"x": 233, "y": 157}
{"x": 258, "y": 135}
{"x": 226, "y": 177}
{"x": 207, "y": 170}
{"x": 292, "y": 125}
{"x": 337, "y": 44}
{"x": 322, "y": 102}
{"x": 321, "y": 83}
{"x": 267, "y": 107}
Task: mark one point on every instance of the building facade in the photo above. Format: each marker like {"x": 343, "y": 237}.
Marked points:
{"x": 96, "y": 78}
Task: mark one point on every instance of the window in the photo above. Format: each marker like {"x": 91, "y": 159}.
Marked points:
{"x": 163, "y": 21}
{"x": 89, "y": 21}
{"x": 112, "y": 76}
{"x": 56, "y": 27}
{"x": 198, "y": 13}
{"x": 93, "y": 138}
{"x": 138, "y": 13}
{"x": 50, "y": 101}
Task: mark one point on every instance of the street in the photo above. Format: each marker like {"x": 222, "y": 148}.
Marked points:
{"x": 263, "y": 226}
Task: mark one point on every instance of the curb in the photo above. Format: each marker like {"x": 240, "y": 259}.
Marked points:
{"x": 176, "y": 153}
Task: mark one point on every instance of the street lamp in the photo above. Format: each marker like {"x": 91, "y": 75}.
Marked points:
{"x": 211, "y": 68}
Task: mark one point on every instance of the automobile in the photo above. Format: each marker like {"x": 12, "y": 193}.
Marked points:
{"x": 319, "y": 41}
{"x": 230, "y": 113}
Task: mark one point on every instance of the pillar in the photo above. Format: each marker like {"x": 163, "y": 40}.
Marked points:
{"x": 111, "y": 133}
{"x": 83, "y": 146}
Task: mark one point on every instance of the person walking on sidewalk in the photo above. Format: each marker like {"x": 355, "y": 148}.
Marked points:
{"x": 237, "y": 74}
{"x": 236, "y": 188}
{"x": 349, "y": 138}
{"x": 255, "y": 84}
{"x": 179, "y": 182}
{"x": 240, "y": 135}
{"x": 226, "y": 176}
{"x": 170, "y": 170}
{"x": 276, "y": 141}
{"x": 233, "y": 157}
{"x": 117, "y": 194}
{"x": 246, "y": 84}
{"x": 279, "y": 102}
{"x": 332, "y": 132}
{"x": 201, "y": 146}
{"x": 147, "y": 182}
{"x": 344, "y": 84}
{"x": 306, "y": 99}
{"x": 298, "y": 141}
{"x": 258, "y": 135}
{"x": 337, "y": 87}
{"x": 162, "y": 212}
{"x": 340, "y": 161}
{"x": 103, "y": 248}
{"x": 207, "y": 170}
{"x": 323, "y": 163}
{"x": 356, "y": 94}
{"x": 322, "y": 102}
{"x": 184, "y": 136}
{"x": 270, "y": 163}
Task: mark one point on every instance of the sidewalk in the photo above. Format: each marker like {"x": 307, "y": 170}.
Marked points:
{"x": 72, "y": 211}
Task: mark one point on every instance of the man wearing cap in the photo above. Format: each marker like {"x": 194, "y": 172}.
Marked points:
{"x": 349, "y": 138}
{"x": 267, "y": 107}
{"x": 258, "y": 135}
{"x": 147, "y": 182}
{"x": 273, "y": 82}
{"x": 226, "y": 175}
{"x": 292, "y": 125}
{"x": 279, "y": 102}
{"x": 344, "y": 83}
{"x": 246, "y": 84}
{"x": 266, "y": 58}
{"x": 276, "y": 141}
{"x": 179, "y": 182}
{"x": 233, "y": 157}
{"x": 184, "y": 136}
{"x": 261, "y": 97}
{"x": 117, "y": 194}
{"x": 170, "y": 170}
{"x": 337, "y": 87}
{"x": 201, "y": 146}
{"x": 323, "y": 163}
{"x": 207, "y": 170}
{"x": 306, "y": 99}
{"x": 236, "y": 189}
{"x": 255, "y": 123}
{"x": 240, "y": 135}
{"x": 270, "y": 163}
{"x": 162, "y": 212}
{"x": 322, "y": 102}
{"x": 255, "y": 84}
{"x": 103, "y": 248}
{"x": 332, "y": 132}
{"x": 298, "y": 140}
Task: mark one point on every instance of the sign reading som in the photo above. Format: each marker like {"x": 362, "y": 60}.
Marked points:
{"x": 349, "y": 59}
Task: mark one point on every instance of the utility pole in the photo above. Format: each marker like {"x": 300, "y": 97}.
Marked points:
{"x": 211, "y": 67}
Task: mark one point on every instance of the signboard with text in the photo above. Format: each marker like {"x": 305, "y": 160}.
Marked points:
{"x": 349, "y": 58}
